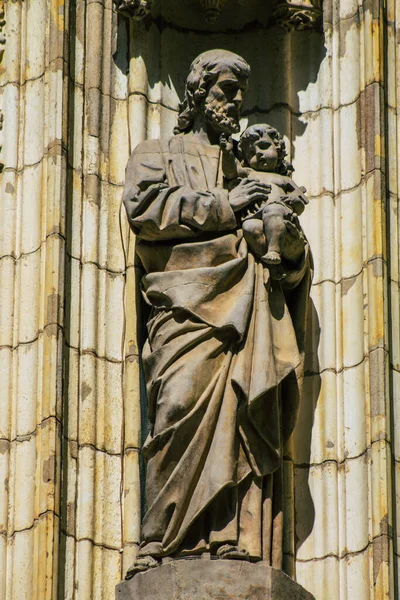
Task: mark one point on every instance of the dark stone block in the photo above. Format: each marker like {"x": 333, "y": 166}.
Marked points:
{"x": 212, "y": 580}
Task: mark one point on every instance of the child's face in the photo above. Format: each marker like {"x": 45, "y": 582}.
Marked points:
{"x": 263, "y": 155}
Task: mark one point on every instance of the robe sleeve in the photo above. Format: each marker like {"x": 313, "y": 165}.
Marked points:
{"x": 158, "y": 211}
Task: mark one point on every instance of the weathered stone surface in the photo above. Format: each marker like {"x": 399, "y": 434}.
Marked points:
{"x": 212, "y": 580}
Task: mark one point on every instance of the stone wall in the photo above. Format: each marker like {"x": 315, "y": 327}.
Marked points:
{"x": 80, "y": 86}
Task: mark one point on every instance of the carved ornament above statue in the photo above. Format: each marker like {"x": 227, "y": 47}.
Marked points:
{"x": 137, "y": 9}
{"x": 212, "y": 9}
{"x": 299, "y": 15}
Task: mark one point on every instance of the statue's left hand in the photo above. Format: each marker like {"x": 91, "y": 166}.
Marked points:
{"x": 248, "y": 191}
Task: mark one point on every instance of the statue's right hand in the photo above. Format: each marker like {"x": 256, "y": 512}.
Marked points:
{"x": 225, "y": 143}
{"x": 248, "y": 191}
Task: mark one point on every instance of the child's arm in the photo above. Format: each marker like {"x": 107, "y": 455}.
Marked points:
{"x": 295, "y": 196}
{"x": 231, "y": 167}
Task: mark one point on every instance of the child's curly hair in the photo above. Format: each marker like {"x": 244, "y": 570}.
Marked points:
{"x": 256, "y": 132}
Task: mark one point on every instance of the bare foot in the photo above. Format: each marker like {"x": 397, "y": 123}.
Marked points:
{"x": 272, "y": 258}
{"x": 141, "y": 564}
{"x": 232, "y": 552}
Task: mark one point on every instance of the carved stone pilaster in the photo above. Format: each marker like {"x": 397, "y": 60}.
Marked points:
{"x": 137, "y": 9}
{"x": 298, "y": 15}
{"x": 2, "y": 50}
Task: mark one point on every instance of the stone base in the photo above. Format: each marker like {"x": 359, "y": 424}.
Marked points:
{"x": 212, "y": 580}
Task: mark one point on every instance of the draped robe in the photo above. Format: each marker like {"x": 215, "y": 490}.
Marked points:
{"x": 222, "y": 360}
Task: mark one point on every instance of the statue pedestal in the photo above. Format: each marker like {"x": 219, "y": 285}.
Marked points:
{"x": 200, "y": 579}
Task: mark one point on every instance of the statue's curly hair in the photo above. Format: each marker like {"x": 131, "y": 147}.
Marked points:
{"x": 204, "y": 71}
{"x": 256, "y": 132}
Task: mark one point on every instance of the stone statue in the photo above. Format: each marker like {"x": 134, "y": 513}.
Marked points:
{"x": 225, "y": 338}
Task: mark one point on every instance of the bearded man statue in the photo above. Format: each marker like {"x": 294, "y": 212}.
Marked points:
{"x": 224, "y": 352}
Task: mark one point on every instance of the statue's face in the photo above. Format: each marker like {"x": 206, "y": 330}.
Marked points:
{"x": 224, "y": 101}
{"x": 263, "y": 154}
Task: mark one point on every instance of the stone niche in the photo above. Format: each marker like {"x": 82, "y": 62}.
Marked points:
{"x": 284, "y": 66}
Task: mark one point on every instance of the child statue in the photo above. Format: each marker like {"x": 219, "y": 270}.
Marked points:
{"x": 262, "y": 151}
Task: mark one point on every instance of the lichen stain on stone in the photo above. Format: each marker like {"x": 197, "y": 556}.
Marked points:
{"x": 51, "y": 330}
{"x": 53, "y": 303}
{"x": 92, "y": 190}
{"x": 380, "y": 555}
{"x": 48, "y": 470}
{"x": 73, "y": 446}
{"x": 113, "y": 275}
{"x": 377, "y": 268}
{"x": 132, "y": 348}
{"x": 27, "y": 437}
{"x": 345, "y": 26}
{"x": 55, "y": 230}
{"x": 132, "y": 358}
{"x": 57, "y": 65}
{"x": 4, "y": 446}
{"x": 85, "y": 390}
{"x": 377, "y": 384}
{"x": 71, "y": 511}
{"x": 347, "y": 284}
{"x": 384, "y": 525}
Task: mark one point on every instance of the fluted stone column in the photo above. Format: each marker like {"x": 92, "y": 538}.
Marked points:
{"x": 392, "y": 89}
{"x": 349, "y": 552}
{"x": 69, "y": 454}
{"x": 32, "y": 327}
{"x": 100, "y": 456}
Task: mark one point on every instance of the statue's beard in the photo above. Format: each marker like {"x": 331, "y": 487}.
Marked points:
{"x": 224, "y": 118}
